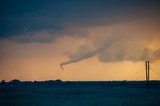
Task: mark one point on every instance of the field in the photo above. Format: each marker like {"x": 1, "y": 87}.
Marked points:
{"x": 79, "y": 94}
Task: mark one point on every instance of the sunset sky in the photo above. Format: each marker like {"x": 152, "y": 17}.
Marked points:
{"x": 90, "y": 39}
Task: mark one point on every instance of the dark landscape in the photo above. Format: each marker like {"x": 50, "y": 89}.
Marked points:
{"x": 79, "y": 93}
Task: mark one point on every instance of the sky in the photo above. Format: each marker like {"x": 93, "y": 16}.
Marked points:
{"x": 79, "y": 40}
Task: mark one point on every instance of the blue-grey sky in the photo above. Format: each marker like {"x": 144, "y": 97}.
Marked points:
{"x": 22, "y": 16}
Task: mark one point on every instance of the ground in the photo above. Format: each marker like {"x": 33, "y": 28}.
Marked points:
{"x": 36, "y": 95}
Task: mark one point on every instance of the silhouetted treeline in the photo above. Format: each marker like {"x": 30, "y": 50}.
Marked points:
{"x": 59, "y": 83}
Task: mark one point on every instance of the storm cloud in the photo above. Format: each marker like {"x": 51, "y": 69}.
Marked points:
{"x": 121, "y": 42}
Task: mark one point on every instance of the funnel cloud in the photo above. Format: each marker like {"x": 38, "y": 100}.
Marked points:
{"x": 78, "y": 58}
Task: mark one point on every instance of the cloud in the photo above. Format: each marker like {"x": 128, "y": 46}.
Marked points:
{"x": 116, "y": 43}
{"x": 40, "y": 37}
{"x": 82, "y": 53}
{"x": 47, "y": 36}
